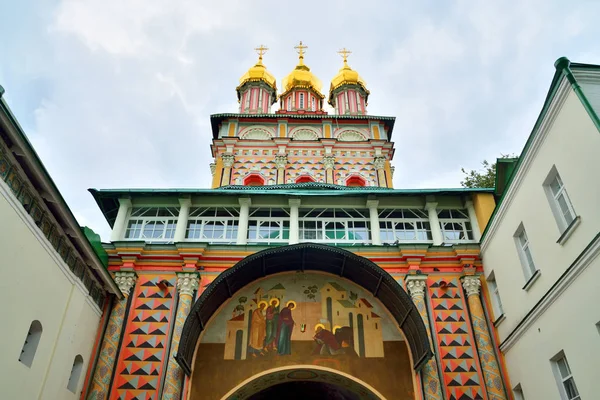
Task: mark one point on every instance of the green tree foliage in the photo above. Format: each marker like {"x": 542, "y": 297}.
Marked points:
{"x": 483, "y": 178}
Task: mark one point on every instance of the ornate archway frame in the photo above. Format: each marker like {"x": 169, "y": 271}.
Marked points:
{"x": 288, "y": 370}
{"x": 307, "y": 257}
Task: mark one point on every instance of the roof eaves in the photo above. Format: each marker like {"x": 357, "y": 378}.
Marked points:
{"x": 38, "y": 166}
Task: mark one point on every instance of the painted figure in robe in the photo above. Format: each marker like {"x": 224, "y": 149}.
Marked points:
{"x": 272, "y": 319}
{"x": 285, "y": 327}
{"x": 258, "y": 330}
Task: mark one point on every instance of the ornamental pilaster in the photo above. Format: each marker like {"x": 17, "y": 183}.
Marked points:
{"x": 432, "y": 387}
{"x": 213, "y": 168}
{"x": 392, "y": 170}
{"x": 485, "y": 346}
{"x": 379, "y": 163}
{"x": 109, "y": 348}
{"x": 187, "y": 283}
{"x": 281, "y": 161}
{"x": 329, "y": 163}
{"x": 228, "y": 160}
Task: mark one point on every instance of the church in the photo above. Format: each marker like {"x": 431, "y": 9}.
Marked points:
{"x": 301, "y": 273}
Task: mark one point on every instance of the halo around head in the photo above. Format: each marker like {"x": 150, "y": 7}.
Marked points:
{"x": 335, "y": 328}
{"x": 317, "y": 326}
{"x": 291, "y": 302}
{"x": 274, "y": 299}
{"x": 262, "y": 302}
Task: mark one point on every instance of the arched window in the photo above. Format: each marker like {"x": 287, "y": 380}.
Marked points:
{"x": 75, "y": 373}
{"x": 305, "y": 179}
{"x": 289, "y": 103}
{"x": 314, "y": 105}
{"x": 254, "y": 180}
{"x": 355, "y": 181}
{"x": 301, "y": 101}
{"x": 31, "y": 343}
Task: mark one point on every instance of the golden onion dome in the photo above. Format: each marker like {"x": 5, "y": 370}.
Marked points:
{"x": 258, "y": 72}
{"x": 301, "y": 77}
{"x": 346, "y": 76}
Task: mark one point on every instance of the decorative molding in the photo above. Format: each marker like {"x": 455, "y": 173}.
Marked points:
{"x": 213, "y": 168}
{"x": 580, "y": 264}
{"x": 351, "y": 136}
{"x": 536, "y": 275}
{"x": 281, "y": 161}
{"x": 539, "y": 136}
{"x": 228, "y": 160}
{"x": 125, "y": 280}
{"x": 471, "y": 284}
{"x": 329, "y": 162}
{"x": 392, "y": 170}
{"x": 187, "y": 283}
{"x": 305, "y": 134}
{"x": 257, "y": 133}
{"x": 416, "y": 285}
{"x": 569, "y": 231}
{"x": 379, "y": 162}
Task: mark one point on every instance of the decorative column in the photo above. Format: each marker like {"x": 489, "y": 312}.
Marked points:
{"x": 432, "y": 387}
{"x": 281, "y": 162}
{"x": 374, "y": 222}
{"x": 242, "y": 234}
{"x": 392, "y": 170}
{"x": 434, "y": 223}
{"x": 228, "y": 160}
{"x": 187, "y": 283}
{"x": 379, "y": 163}
{"x": 182, "y": 219}
{"x": 294, "y": 223}
{"x": 213, "y": 169}
{"x": 119, "y": 225}
{"x": 329, "y": 162}
{"x": 473, "y": 219}
{"x": 109, "y": 348}
{"x": 485, "y": 347}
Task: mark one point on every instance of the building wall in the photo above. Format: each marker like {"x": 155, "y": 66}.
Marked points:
{"x": 39, "y": 283}
{"x": 571, "y": 145}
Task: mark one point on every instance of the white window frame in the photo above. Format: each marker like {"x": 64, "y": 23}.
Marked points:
{"x": 313, "y": 104}
{"x": 202, "y": 219}
{"x": 457, "y": 217}
{"x": 268, "y": 220}
{"x": 495, "y": 296}
{"x": 562, "y": 377}
{"x": 391, "y": 230}
{"x": 320, "y": 221}
{"x": 555, "y": 191}
{"x": 524, "y": 250}
{"x": 289, "y": 104}
{"x": 301, "y": 101}
{"x": 145, "y": 216}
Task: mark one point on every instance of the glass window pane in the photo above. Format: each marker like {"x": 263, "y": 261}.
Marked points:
{"x": 555, "y": 185}
{"x": 571, "y": 389}
{"x": 563, "y": 367}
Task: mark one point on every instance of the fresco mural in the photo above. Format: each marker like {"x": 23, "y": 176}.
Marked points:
{"x": 303, "y": 318}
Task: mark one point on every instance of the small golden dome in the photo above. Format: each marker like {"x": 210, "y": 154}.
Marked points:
{"x": 301, "y": 77}
{"x": 258, "y": 72}
{"x": 346, "y": 76}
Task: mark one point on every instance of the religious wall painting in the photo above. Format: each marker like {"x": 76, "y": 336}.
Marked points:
{"x": 300, "y": 318}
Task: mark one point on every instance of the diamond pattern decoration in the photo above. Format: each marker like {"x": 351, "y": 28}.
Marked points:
{"x": 142, "y": 358}
{"x": 461, "y": 372}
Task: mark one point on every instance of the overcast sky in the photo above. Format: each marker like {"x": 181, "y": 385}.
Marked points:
{"x": 118, "y": 93}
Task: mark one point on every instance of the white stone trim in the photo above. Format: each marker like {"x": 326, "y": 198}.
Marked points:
{"x": 576, "y": 269}
{"x": 539, "y": 136}
{"x": 6, "y": 192}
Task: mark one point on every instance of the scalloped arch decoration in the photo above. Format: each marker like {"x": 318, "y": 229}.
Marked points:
{"x": 257, "y": 134}
{"x": 305, "y": 134}
{"x": 351, "y": 136}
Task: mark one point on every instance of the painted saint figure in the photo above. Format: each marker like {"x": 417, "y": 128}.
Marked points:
{"x": 258, "y": 330}
{"x": 284, "y": 329}
{"x": 272, "y": 318}
{"x": 327, "y": 343}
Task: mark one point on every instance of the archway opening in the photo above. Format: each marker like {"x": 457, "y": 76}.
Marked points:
{"x": 356, "y": 181}
{"x": 254, "y": 180}
{"x": 302, "y": 390}
{"x": 305, "y": 179}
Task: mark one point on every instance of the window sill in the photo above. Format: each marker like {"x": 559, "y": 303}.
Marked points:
{"x": 532, "y": 280}
{"x": 569, "y": 231}
{"x": 499, "y": 320}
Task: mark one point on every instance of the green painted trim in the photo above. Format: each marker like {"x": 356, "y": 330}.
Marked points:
{"x": 564, "y": 65}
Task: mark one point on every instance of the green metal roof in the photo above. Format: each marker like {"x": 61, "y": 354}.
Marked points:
{"x": 108, "y": 199}
{"x": 564, "y": 69}
{"x": 217, "y": 119}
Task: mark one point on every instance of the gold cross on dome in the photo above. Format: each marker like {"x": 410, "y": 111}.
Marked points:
{"x": 300, "y": 49}
{"x": 261, "y": 50}
{"x": 344, "y": 53}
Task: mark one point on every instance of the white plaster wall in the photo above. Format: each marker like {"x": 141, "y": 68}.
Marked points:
{"x": 572, "y": 145}
{"x": 35, "y": 287}
{"x": 568, "y": 325}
